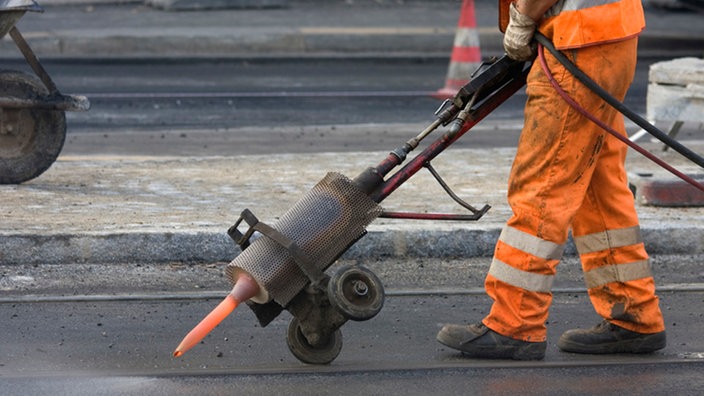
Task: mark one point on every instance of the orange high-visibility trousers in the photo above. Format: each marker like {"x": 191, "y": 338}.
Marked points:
{"x": 568, "y": 174}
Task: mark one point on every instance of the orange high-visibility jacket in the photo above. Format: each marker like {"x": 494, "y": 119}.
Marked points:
{"x": 580, "y": 23}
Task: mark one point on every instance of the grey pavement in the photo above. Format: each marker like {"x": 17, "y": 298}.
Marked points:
{"x": 151, "y": 209}
{"x": 156, "y": 209}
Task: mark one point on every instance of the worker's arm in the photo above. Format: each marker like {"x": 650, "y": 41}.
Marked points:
{"x": 524, "y": 15}
{"x": 534, "y": 9}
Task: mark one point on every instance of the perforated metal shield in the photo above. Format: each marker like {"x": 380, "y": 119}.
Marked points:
{"x": 324, "y": 223}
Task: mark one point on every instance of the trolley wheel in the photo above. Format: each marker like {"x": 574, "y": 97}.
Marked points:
{"x": 356, "y": 292}
{"x": 30, "y": 138}
{"x": 307, "y": 353}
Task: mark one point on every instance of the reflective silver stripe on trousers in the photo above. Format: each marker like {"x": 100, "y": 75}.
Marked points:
{"x": 525, "y": 280}
{"x": 608, "y": 239}
{"x": 573, "y": 5}
{"x": 534, "y": 246}
{"x": 531, "y": 244}
{"x": 617, "y": 273}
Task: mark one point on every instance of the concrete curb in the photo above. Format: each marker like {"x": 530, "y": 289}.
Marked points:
{"x": 206, "y": 247}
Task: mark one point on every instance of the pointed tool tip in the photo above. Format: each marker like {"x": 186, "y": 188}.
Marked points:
{"x": 245, "y": 288}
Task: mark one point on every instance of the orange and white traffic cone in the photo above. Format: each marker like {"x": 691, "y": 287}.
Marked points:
{"x": 466, "y": 55}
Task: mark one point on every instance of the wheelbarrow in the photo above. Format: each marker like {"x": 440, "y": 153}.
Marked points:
{"x": 32, "y": 110}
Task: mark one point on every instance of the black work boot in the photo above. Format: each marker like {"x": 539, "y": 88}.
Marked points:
{"x": 479, "y": 341}
{"x": 609, "y": 338}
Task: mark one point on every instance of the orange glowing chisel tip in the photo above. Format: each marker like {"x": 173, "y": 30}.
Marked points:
{"x": 245, "y": 288}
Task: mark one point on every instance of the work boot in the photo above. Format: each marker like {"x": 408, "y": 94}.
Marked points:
{"x": 609, "y": 338}
{"x": 479, "y": 341}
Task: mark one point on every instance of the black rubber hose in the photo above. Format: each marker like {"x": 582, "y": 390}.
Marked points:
{"x": 615, "y": 103}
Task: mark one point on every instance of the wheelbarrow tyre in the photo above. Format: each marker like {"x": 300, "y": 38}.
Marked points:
{"x": 312, "y": 354}
{"x": 356, "y": 292}
{"x": 31, "y": 138}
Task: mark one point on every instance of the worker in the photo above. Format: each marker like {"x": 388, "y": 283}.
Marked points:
{"x": 568, "y": 175}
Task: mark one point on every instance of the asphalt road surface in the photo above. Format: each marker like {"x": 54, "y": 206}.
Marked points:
{"x": 110, "y": 330}
{"x": 244, "y": 106}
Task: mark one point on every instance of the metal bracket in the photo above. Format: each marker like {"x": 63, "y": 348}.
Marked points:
{"x": 451, "y": 193}
{"x": 476, "y": 213}
{"x": 32, "y": 60}
{"x": 301, "y": 259}
{"x": 55, "y": 100}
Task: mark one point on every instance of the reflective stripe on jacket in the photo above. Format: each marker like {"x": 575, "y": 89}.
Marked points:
{"x": 580, "y": 23}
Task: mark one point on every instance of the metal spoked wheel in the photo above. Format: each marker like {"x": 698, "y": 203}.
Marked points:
{"x": 31, "y": 138}
{"x": 324, "y": 353}
{"x": 356, "y": 292}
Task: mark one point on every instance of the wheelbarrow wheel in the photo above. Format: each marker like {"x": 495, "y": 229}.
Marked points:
{"x": 356, "y": 292}
{"x": 31, "y": 138}
{"x": 324, "y": 353}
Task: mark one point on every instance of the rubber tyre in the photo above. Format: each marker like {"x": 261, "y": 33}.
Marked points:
{"x": 36, "y": 136}
{"x": 306, "y": 353}
{"x": 344, "y": 293}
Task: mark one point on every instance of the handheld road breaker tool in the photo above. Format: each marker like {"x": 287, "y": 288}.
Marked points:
{"x": 284, "y": 268}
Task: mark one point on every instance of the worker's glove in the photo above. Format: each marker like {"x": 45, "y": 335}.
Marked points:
{"x": 518, "y": 39}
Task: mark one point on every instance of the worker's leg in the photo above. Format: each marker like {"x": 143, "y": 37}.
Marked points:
{"x": 550, "y": 175}
{"x": 607, "y": 235}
